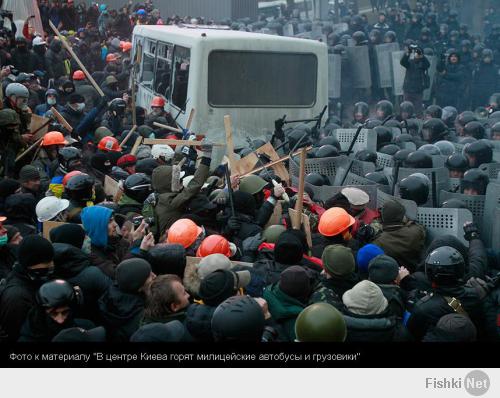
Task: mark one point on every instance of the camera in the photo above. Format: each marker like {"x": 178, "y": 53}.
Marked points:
{"x": 138, "y": 220}
{"x": 416, "y": 49}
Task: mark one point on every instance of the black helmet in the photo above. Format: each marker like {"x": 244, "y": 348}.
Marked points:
{"x": 478, "y": 153}
{"x": 474, "y": 129}
{"x": 434, "y": 112}
{"x": 402, "y": 155}
{"x": 445, "y": 147}
{"x": 327, "y": 151}
{"x": 407, "y": 108}
{"x": 457, "y": 162}
{"x": 245, "y": 152}
{"x": 377, "y": 177}
{"x": 238, "y": 318}
{"x": 415, "y": 187}
{"x": 315, "y": 179}
{"x": 372, "y": 123}
{"x": 449, "y": 115}
{"x": 339, "y": 49}
{"x": 256, "y": 144}
{"x": 359, "y": 37}
{"x": 418, "y": 160}
{"x": 137, "y": 186}
{"x": 445, "y": 266}
{"x": 431, "y": 149}
{"x": 434, "y": 130}
{"x": 296, "y": 135}
{"x": 389, "y": 149}
{"x": 466, "y": 117}
{"x": 384, "y": 109}
{"x": 80, "y": 187}
{"x": 329, "y": 140}
{"x": 402, "y": 139}
{"x": 118, "y": 105}
{"x": 392, "y": 123}
{"x": 390, "y": 37}
{"x": 495, "y": 129}
{"x": 487, "y": 53}
{"x": 384, "y": 136}
{"x": 474, "y": 179}
{"x": 454, "y": 204}
{"x": 55, "y": 294}
{"x": 69, "y": 158}
{"x": 361, "y": 111}
{"x": 366, "y": 156}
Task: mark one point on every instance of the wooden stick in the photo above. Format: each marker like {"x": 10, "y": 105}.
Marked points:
{"x": 270, "y": 164}
{"x": 152, "y": 141}
{"x": 229, "y": 142}
{"x": 190, "y": 119}
{"x": 22, "y": 155}
{"x": 132, "y": 131}
{"x": 75, "y": 57}
{"x": 137, "y": 143}
{"x": 299, "y": 205}
{"x": 169, "y": 128}
{"x": 61, "y": 119}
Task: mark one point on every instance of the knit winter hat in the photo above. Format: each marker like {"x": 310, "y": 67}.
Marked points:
{"x": 393, "y": 212}
{"x": 295, "y": 282}
{"x": 71, "y": 234}
{"x": 457, "y": 327}
{"x": 34, "y": 250}
{"x": 8, "y": 187}
{"x": 338, "y": 260}
{"x": 288, "y": 249}
{"x": 131, "y": 274}
{"x": 222, "y": 284}
{"x": 365, "y": 298}
{"x": 28, "y": 173}
{"x": 383, "y": 269}
{"x": 365, "y": 255}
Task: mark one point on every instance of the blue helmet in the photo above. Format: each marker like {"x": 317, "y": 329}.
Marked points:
{"x": 141, "y": 12}
{"x": 103, "y": 7}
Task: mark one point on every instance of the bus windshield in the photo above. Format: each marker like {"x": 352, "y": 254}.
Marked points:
{"x": 261, "y": 79}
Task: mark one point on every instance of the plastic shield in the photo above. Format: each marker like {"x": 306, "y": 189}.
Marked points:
{"x": 384, "y": 60}
{"x": 398, "y": 72}
{"x": 359, "y": 66}
{"x": 334, "y": 75}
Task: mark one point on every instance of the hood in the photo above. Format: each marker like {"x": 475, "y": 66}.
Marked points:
{"x": 95, "y": 221}
{"x": 162, "y": 179}
{"x": 288, "y": 249}
{"x": 118, "y": 308}
{"x": 21, "y": 206}
{"x": 68, "y": 260}
{"x": 56, "y": 46}
{"x": 281, "y": 305}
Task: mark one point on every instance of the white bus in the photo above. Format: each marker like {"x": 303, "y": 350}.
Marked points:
{"x": 254, "y": 78}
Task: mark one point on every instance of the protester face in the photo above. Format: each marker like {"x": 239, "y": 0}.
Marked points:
{"x": 113, "y": 228}
{"x": 182, "y": 297}
{"x": 59, "y": 315}
{"x": 32, "y": 185}
{"x": 51, "y": 99}
{"x": 21, "y": 103}
{"x": 156, "y": 111}
{"x": 456, "y": 174}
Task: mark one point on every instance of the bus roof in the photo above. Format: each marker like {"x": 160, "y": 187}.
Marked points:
{"x": 158, "y": 32}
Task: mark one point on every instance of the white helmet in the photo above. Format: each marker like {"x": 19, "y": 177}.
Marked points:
{"x": 165, "y": 151}
{"x": 38, "y": 41}
{"x": 18, "y": 90}
{"x": 186, "y": 180}
{"x": 50, "y": 207}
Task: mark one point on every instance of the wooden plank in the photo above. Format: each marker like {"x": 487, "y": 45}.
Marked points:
{"x": 39, "y": 126}
{"x": 111, "y": 187}
{"x": 299, "y": 204}
{"x": 306, "y": 224}
{"x": 276, "y": 216}
{"x": 48, "y": 226}
{"x": 190, "y": 119}
{"x": 132, "y": 131}
{"x": 137, "y": 143}
{"x": 194, "y": 261}
{"x": 22, "y": 155}
{"x": 152, "y": 141}
{"x": 61, "y": 119}
{"x": 278, "y": 168}
{"x": 229, "y": 141}
{"x": 166, "y": 127}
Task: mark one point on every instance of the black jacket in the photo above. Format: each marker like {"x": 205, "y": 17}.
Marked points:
{"x": 54, "y": 60}
{"x": 374, "y": 328}
{"x": 414, "y": 77}
{"x": 199, "y": 321}
{"x": 8, "y": 257}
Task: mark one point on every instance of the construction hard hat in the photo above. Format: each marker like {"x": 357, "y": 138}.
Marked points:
{"x": 49, "y": 207}
{"x": 109, "y": 144}
{"x": 78, "y": 75}
{"x": 54, "y": 138}
{"x": 320, "y": 322}
{"x": 162, "y": 150}
{"x": 38, "y": 41}
{"x": 158, "y": 102}
{"x": 68, "y": 176}
{"x": 214, "y": 244}
{"x": 334, "y": 221}
{"x": 184, "y": 232}
{"x": 252, "y": 184}
{"x": 127, "y": 46}
{"x": 111, "y": 57}
{"x": 272, "y": 233}
{"x": 17, "y": 89}
{"x": 356, "y": 196}
{"x": 110, "y": 80}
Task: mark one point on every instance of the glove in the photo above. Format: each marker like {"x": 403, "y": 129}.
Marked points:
{"x": 471, "y": 231}
{"x": 482, "y": 288}
{"x": 252, "y": 243}
{"x": 234, "y": 224}
{"x": 206, "y": 148}
{"x": 365, "y": 233}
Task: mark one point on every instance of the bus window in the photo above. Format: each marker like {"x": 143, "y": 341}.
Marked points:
{"x": 148, "y": 65}
{"x": 163, "y": 73}
{"x": 181, "y": 60}
{"x": 261, "y": 79}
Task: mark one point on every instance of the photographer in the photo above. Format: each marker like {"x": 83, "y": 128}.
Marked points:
{"x": 416, "y": 78}
{"x": 451, "y": 80}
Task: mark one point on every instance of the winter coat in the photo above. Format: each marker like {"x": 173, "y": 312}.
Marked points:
{"x": 414, "y": 77}
{"x": 332, "y": 289}
{"x": 199, "y": 321}
{"x": 24, "y": 61}
{"x": 451, "y": 85}
{"x": 403, "y": 242}
{"x": 121, "y": 313}
{"x": 485, "y": 81}
{"x": 396, "y": 297}
{"x": 284, "y": 309}
{"x": 88, "y": 92}
{"x": 54, "y": 60}
{"x": 8, "y": 257}
{"x": 72, "y": 117}
{"x": 127, "y": 206}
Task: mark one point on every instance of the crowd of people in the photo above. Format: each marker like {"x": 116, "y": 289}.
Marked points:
{"x": 182, "y": 252}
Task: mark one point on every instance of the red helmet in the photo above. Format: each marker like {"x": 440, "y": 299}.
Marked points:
{"x": 111, "y": 57}
{"x": 214, "y": 244}
{"x": 158, "y": 102}
{"x": 68, "y": 176}
{"x": 78, "y": 75}
{"x": 109, "y": 144}
{"x": 127, "y": 46}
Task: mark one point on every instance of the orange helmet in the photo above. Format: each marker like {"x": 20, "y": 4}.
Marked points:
{"x": 158, "y": 102}
{"x": 111, "y": 57}
{"x": 334, "y": 221}
{"x": 127, "y": 46}
{"x": 214, "y": 244}
{"x": 78, "y": 75}
{"x": 184, "y": 232}
{"x": 109, "y": 144}
{"x": 54, "y": 138}
{"x": 121, "y": 43}
{"x": 68, "y": 176}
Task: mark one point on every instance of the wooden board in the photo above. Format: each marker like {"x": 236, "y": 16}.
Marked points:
{"x": 276, "y": 216}
{"x": 111, "y": 187}
{"x": 229, "y": 141}
{"x": 137, "y": 143}
{"x": 151, "y": 141}
{"x": 305, "y": 223}
{"x": 39, "y": 126}
{"x": 49, "y": 226}
{"x": 194, "y": 261}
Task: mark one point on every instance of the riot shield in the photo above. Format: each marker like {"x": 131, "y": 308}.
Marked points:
{"x": 432, "y": 73}
{"x": 288, "y": 30}
{"x": 359, "y": 66}
{"x": 384, "y": 59}
{"x": 334, "y": 75}
{"x": 398, "y": 72}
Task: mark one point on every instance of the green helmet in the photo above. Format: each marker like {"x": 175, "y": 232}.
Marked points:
{"x": 252, "y": 184}
{"x": 320, "y": 322}
{"x": 272, "y": 233}
{"x": 102, "y": 132}
{"x": 9, "y": 117}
